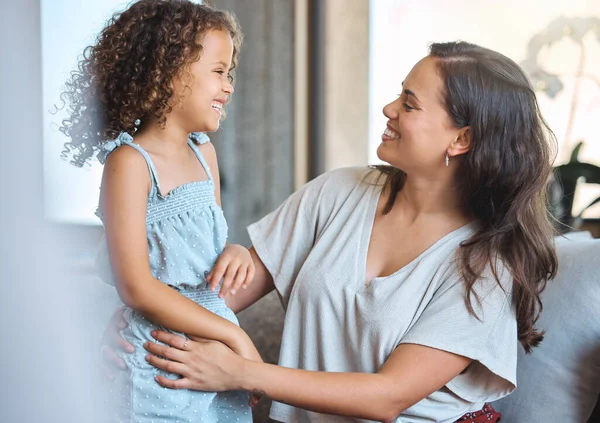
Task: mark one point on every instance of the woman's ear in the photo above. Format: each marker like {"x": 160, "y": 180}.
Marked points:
{"x": 462, "y": 143}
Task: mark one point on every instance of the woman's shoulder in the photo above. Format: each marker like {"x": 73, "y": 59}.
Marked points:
{"x": 348, "y": 178}
{"x": 338, "y": 189}
{"x": 493, "y": 285}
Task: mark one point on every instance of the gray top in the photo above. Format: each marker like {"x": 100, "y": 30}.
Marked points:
{"x": 315, "y": 247}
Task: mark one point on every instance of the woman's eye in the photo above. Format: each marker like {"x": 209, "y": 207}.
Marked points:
{"x": 407, "y": 107}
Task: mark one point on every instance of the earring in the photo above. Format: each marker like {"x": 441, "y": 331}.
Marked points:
{"x": 447, "y": 159}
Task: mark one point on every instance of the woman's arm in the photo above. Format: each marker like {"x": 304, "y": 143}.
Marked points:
{"x": 124, "y": 201}
{"x": 410, "y": 374}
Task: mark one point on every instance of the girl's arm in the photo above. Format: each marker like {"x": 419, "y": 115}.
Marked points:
{"x": 124, "y": 196}
{"x": 411, "y": 373}
{"x": 261, "y": 285}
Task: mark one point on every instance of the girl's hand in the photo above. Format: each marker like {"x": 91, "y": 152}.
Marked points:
{"x": 111, "y": 342}
{"x": 235, "y": 267}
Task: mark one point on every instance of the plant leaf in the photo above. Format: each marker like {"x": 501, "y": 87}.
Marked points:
{"x": 574, "y": 170}
{"x": 575, "y": 153}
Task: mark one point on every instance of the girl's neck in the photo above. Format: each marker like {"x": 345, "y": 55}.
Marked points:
{"x": 159, "y": 138}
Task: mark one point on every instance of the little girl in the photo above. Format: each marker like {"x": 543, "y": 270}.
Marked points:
{"x": 160, "y": 71}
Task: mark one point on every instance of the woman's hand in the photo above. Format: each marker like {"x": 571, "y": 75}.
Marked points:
{"x": 204, "y": 365}
{"x": 235, "y": 267}
{"x": 111, "y": 342}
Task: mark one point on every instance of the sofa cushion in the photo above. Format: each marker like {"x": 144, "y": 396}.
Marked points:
{"x": 560, "y": 380}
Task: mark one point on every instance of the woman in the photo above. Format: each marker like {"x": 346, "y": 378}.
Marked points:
{"x": 407, "y": 287}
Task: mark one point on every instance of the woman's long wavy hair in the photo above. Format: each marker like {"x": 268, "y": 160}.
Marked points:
{"x": 128, "y": 74}
{"x": 502, "y": 180}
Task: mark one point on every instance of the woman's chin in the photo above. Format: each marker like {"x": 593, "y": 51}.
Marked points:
{"x": 389, "y": 158}
{"x": 384, "y": 153}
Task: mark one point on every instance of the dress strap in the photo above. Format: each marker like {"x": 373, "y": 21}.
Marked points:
{"x": 126, "y": 139}
{"x": 200, "y": 138}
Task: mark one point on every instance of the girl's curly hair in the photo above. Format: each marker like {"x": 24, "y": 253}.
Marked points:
{"x": 128, "y": 74}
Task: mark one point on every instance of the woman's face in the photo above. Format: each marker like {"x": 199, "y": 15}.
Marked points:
{"x": 419, "y": 130}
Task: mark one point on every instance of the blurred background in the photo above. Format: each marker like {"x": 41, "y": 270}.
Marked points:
{"x": 312, "y": 80}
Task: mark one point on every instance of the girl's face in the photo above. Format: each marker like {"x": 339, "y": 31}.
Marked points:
{"x": 203, "y": 103}
{"x": 419, "y": 130}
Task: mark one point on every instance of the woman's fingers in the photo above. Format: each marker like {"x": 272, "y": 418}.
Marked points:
{"x": 110, "y": 357}
{"x": 204, "y": 365}
{"x": 167, "y": 365}
{"x": 112, "y": 341}
{"x": 118, "y": 322}
{"x": 117, "y": 342}
{"x": 117, "y": 318}
{"x": 183, "y": 383}
{"x": 112, "y": 337}
{"x": 171, "y": 339}
{"x": 167, "y": 352}
{"x": 254, "y": 399}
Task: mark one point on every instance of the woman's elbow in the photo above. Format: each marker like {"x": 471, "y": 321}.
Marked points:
{"x": 390, "y": 410}
{"x": 388, "y": 416}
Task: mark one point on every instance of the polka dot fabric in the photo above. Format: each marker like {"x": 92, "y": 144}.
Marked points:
{"x": 186, "y": 232}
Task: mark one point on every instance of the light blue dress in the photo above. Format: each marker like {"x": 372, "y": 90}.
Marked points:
{"x": 186, "y": 233}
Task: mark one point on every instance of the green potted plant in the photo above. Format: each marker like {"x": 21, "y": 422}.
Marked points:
{"x": 569, "y": 175}
{"x": 563, "y": 186}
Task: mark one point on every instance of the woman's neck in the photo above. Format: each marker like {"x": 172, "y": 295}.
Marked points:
{"x": 427, "y": 197}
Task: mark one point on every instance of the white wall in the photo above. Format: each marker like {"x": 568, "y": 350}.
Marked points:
{"x": 48, "y": 356}
{"x": 71, "y": 193}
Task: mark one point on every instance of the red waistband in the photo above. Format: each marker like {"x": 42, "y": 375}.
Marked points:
{"x": 486, "y": 415}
